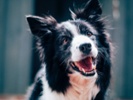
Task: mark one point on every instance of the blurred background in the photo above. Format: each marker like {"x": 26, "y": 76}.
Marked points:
{"x": 19, "y": 57}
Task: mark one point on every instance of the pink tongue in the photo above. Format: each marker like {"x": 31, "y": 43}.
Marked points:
{"x": 86, "y": 64}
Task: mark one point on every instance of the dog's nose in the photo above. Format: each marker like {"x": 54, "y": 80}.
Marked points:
{"x": 85, "y": 48}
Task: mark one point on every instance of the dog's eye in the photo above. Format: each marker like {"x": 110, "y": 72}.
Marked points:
{"x": 65, "y": 40}
{"x": 88, "y": 33}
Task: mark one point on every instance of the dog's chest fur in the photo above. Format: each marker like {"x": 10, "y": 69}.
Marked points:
{"x": 80, "y": 89}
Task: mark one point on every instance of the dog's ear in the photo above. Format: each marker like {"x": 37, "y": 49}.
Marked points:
{"x": 91, "y": 11}
{"x": 40, "y": 26}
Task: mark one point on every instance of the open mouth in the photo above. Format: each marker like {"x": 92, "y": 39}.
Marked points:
{"x": 84, "y": 66}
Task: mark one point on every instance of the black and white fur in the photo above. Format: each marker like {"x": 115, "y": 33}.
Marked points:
{"x": 70, "y": 41}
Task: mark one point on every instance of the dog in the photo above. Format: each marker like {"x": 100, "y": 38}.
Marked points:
{"x": 75, "y": 56}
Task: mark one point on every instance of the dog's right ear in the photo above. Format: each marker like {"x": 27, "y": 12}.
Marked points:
{"x": 40, "y": 26}
{"x": 91, "y": 11}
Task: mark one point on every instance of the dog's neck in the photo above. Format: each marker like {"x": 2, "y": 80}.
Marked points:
{"x": 82, "y": 88}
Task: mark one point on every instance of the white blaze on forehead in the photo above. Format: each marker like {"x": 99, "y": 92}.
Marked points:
{"x": 71, "y": 27}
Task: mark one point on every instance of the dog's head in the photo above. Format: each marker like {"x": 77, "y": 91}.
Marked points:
{"x": 77, "y": 45}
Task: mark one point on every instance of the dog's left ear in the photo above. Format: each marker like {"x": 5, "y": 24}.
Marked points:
{"x": 40, "y": 26}
{"x": 91, "y": 11}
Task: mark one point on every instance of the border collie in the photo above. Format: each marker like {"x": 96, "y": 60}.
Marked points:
{"x": 75, "y": 56}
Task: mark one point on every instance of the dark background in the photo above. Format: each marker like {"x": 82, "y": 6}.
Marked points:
{"x": 19, "y": 57}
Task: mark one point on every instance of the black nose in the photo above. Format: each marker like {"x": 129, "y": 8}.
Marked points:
{"x": 85, "y": 48}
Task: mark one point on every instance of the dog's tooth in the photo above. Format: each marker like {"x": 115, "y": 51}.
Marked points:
{"x": 87, "y": 72}
{"x": 83, "y": 70}
{"x": 80, "y": 69}
{"x": 94, "y": 67}
{"x": 72, "y": 64}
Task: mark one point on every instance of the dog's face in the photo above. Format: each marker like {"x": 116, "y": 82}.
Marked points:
{"x": 74, "y": 45}
{"x": 77, "y": 46}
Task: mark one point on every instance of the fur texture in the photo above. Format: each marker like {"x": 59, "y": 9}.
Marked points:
{"x": 75, "y": 56}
